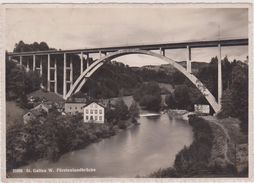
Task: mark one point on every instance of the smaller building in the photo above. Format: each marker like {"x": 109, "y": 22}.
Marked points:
{"x": 204, "y": 109}
{"x": 94, "y": 113}
{"x": 73, "y": 108}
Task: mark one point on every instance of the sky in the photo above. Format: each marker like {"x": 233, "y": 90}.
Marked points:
{"x": 114, "y": 25}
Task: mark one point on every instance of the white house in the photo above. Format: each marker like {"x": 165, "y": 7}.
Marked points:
{"x": 94, "y": 112}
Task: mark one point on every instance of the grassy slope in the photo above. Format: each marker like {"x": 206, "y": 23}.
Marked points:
{"x": 14, "y": 114}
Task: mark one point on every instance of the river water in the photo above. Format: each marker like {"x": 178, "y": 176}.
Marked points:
{"x": 139, "y": 150}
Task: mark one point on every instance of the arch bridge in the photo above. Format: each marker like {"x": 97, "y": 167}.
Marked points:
{"x": 108, "y": 53}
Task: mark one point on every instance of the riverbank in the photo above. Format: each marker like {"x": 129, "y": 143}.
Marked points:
{"x": 212, "y": 153}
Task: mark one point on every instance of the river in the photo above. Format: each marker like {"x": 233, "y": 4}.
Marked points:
{"x": 139, "y": 150}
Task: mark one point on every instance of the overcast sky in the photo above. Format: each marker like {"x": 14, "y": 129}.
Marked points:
{"x": 91, "y": 26}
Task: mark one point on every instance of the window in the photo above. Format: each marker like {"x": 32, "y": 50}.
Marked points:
{"x": 96, "y": 118}
{"x": 100, "y": 118}
{"x": 86, "y": 111}
{"x": 81, "y": 107}
{"x": 70, "y": 107}
{"x": 87, "y": 117}
{"x": 95, "y": 111}
{"x": 75, "y": 107}
{"x": 91, "y": 111}
{"x": 91, "y": 118}
{"x": 100, "y": 111}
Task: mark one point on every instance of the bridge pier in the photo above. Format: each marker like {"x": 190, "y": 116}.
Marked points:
{"x": 41, "y": 67}
{"x": 87, "y": 60}
{"x": 48, "y": 72}
{"x": 102, "y": 53}
{"x": 64, "y": 74}
{"x": 162, "y": 51}
{"x": 188, "y": 60}
{"x": 20, "y": 60}
{"x": 81, "y": 63}
{"x": 219, "y": 76}
{"x": 55, "y": 76}
{"x": 27, "y": 66}
{"x": 71, "y": 72}
{"x": 40, "y": 70}
{"x": 34, "y": 62}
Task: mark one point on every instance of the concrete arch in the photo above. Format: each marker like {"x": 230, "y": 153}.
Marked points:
{"x": 97, "y": 64}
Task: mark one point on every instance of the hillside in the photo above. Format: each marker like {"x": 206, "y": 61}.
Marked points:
{"x": 196, "y": 66}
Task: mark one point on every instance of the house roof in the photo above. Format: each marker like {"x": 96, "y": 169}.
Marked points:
{"x": 45, "y": 105}
{"x": 74, "y": 102}
{"x": 95, "y": 103}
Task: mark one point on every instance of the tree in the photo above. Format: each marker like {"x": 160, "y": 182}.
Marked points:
{"x": 32, "y": 81}
{"x": 235, "y": 99}
{"x": 182, "y": 97}
{"x": 149, "y": 96}
{"x": 227, "y": 106}
{"x": 134, "y": 111}
{"x": 170, "y": 101}
{"x": 240, "y": 94}
{"x": 121, "y": 109}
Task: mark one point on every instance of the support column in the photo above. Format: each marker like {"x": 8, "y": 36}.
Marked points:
{"x": 100, "y": 54}
{"x": 41, "y": 67}
{"x": 41, "y": 85}
{"x": 188, "y": 60}
{"x": 81, "y": 62}
{"x": 162, "y": 51}
{"x": 34, "y": 63}
{"x": 48, "y": 72}
{"x": 55, "y": 76}
{"x": 219, "y": 76}
{"x": 27, "y": 65}
{"x": 71, "y": 73}
{"x": 87, "y": 60}
{"x": 64, "y": 75}
{"x": 20, "y": 60}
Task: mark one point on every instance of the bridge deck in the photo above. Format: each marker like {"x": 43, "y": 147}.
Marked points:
{"x": 165, "y": 46}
